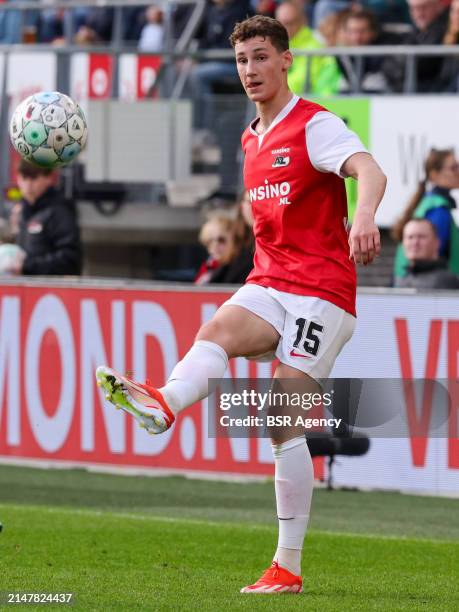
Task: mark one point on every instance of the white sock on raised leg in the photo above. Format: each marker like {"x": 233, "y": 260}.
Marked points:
{"x": 195, "y": 376}
{"x": 294, "y": 479}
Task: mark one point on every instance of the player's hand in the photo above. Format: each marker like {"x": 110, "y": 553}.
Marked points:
{"x": 364, "y": 239}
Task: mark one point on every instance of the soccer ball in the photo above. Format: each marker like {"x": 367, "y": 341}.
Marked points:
{"x": 48, "y": 129}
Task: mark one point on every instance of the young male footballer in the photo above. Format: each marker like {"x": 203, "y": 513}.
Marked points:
{"x": 299, "y": 301}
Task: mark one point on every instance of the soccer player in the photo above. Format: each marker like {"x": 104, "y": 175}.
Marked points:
{"x": 299, "y": 300}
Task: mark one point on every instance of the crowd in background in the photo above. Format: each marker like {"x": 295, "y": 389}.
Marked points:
{"x": 311, "y": 24}
{"x": 426, "y": 234}
{"x": 227, "y": 235}
{"x": 141, "y": 25}
{"x": 42, "y": 235}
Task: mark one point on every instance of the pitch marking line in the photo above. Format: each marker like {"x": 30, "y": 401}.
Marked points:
{"x": 190, "y": 521}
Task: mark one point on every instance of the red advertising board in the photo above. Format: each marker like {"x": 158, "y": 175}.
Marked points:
{"x": 52, "y": 339}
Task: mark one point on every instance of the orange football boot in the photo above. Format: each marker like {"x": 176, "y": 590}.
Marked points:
{"x": 276, "y": 579}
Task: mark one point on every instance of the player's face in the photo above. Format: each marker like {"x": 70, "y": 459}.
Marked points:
{"x": 419, "y": 241}
{"x": 262, "y": 68}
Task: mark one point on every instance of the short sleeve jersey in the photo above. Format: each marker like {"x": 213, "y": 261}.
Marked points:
{"x": 293, "y": 175}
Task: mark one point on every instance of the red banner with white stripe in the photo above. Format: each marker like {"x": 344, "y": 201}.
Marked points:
{"x": 52, "y": 339}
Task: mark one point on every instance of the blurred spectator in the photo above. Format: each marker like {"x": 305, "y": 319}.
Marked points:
{"x": 452, "y": 33}
{"x": 331, "y": 28}
{"x": 88, "y": 26}
{"x": 95, "y": 27}
{"x": 435, "y": 204}
{"x": 241, "y": 262}
{"x": 151, "y": 36}
{"x": 48, "y": 229}
{"x": 135, "y": 18}
{"x": 450, "y": 71}
{"x": 322, "y": 70}
{"x": 264, "y": 7}
{"x": 57, "y": 24}
{"x": 325, "y": 8}
{"x": 430, "y": 20}
{"x": 13, "y": 26}
{"x": 85, "y": 36}
{"x": 218, "y": 24}
{"x": 425, "y": 269}
{"x": 360, "y": 28}
{"x": 218, "y": 235}
{"x": 386, "y": 10}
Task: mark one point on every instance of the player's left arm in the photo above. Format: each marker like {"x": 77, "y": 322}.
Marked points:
{"x": 364, "y": 239}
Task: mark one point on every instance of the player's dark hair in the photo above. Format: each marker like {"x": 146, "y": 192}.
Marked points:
{"x": 31, "y": 171}
{"x": 434, "y": 162}
{"x": 265, "y": 27}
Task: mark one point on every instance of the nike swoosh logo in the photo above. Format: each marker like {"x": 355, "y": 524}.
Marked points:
{"x": 293, "y": 354}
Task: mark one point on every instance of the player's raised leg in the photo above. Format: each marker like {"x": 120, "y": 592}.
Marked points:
{"x": 233, "y": 331}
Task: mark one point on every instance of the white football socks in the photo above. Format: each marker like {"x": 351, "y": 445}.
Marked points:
{"x": 196, "y": 376}
{"x": 294, "y": 479}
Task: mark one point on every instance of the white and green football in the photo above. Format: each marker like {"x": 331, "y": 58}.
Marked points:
{"x": 48, "y": 129}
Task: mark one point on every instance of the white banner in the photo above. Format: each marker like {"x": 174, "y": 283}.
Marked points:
{"x": 29, "y": 73}
{"x": 404, "y": 336}
{"x": 402, "y": 131}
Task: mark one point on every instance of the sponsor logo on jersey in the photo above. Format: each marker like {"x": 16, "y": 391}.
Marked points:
{"x": 281, "y": 161}
{"x": 269, "y": 191}
{"x": 281, "y": 151}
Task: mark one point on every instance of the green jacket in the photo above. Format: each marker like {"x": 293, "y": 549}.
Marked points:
{"x": 325, "y": 74}
{"x": 428, "y": 202}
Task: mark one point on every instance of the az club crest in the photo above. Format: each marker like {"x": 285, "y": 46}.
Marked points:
{"x": 281, "y": 161}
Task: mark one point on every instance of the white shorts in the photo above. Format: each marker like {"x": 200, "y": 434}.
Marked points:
{"x": 312, "y": 331}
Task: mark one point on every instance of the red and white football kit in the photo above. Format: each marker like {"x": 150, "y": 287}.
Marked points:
{"x": 303, "y": 282}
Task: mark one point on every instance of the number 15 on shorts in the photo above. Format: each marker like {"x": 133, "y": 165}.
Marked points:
{"x": 308, "y": 337}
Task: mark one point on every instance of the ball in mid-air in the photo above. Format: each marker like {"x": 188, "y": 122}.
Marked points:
{"x": 48, "y": 129}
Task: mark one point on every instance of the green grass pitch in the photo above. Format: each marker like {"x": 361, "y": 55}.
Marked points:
{"x": 136, "y": 543}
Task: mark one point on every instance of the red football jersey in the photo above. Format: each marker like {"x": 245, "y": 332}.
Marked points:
{"x": 300, "y": 214}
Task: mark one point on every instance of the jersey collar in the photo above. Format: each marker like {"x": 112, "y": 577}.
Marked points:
{"x": 281, "y": 115}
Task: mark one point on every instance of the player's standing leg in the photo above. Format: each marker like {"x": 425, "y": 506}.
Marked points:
{"x": 294, "y": 480}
